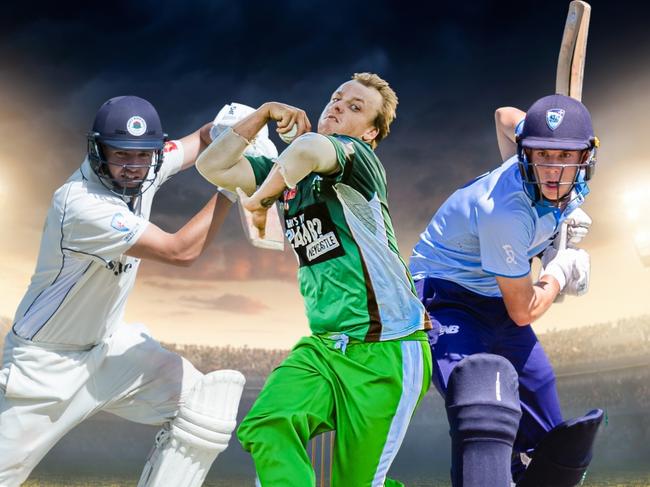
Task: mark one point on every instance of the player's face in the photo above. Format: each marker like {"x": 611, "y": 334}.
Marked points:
{"x": 128, "y": 167}
{"x": 556, "y": 170}
{"x": 351, "y": 111}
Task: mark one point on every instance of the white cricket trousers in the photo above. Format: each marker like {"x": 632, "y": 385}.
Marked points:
{"x": 46, "y": 391}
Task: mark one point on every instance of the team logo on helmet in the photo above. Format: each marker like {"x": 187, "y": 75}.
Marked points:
{"x": 554, "y": 117}
{"x": 136, "y": 126}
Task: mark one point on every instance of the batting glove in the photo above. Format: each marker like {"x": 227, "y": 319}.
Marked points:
{"x": 578, "y": 224}
{"x": 570, "y": 267}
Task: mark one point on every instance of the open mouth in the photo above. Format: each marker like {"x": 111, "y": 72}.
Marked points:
{"x": 552, "y": 185}
{"x": 332, "y": 117}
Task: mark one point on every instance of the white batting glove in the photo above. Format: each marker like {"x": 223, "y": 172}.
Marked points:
{"x": 232, "y": 113}
{"x": 570, "y": 267}
{"x": 578, "y": 224}
{"x": 228, "y": 116}
{"x": 579, "y": 284}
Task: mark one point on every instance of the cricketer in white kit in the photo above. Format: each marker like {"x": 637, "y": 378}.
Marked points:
{"x": 69, "y": 353}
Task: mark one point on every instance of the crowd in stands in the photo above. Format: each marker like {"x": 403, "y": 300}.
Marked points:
{"x": 620, "y": 391}
{"x": 626, "y": 338}
{"x": 252, "y": 362}
{"x": 592, "y": 346}
{"x": 629, "y": 337}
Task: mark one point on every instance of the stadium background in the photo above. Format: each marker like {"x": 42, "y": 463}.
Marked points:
{"x": 592, "y": 372}
{"x": 451, "y": 64}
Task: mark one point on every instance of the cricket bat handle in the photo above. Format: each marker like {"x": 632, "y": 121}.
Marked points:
{"x": 560, "y": 244}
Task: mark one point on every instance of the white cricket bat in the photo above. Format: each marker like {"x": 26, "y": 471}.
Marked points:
{"x": 274, "y": 232}
{"x": 570, "y": 74}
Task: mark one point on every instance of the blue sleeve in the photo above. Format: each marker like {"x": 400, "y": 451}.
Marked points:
{"x": 505, "y": 232}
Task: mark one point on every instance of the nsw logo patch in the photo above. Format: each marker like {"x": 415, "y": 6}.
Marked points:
{"x": 119, "y": 223}
{"x": 554, "y": 117}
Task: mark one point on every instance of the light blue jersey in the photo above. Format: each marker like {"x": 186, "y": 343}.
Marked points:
{"x": 487, "y": 228}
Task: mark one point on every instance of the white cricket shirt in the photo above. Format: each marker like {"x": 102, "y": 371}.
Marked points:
{"x": 82, "y": 280}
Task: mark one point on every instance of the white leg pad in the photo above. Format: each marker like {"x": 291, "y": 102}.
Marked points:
{"x": 185, "y": 448}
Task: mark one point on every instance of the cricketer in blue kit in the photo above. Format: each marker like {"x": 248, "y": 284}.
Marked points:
{"x": 472, "y": 268}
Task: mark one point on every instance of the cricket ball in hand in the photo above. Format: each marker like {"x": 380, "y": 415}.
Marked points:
{"x": 288, "y": 137}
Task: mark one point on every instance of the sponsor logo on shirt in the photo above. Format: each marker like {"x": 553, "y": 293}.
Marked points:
{"x": 170, "y": 146}
{"x": 118, "y": 267}
{"x": 119, "y": 223}
{"x": 449, "y": 330}
{"x": 288, "y": 195}
{"x": 129, "y": 236}
{"x": 321, "y": 246}
{"x": 510, "y": 254}
{"x": 313, "y": 235}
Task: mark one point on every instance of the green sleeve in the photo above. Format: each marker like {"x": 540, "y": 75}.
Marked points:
{"x": 261, "y": 167}
{"x": 345, "y": 151}
{"x": 360, "y": 167}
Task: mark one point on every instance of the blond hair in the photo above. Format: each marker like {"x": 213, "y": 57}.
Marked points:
{"x": 386, "y": 113}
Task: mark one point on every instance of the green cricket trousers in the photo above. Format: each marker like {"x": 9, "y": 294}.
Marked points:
{"x": 366, "y": 391}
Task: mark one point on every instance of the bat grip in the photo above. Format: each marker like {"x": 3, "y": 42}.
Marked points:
{"x": 560, "y": 244}
{"x": 563, "y": 236}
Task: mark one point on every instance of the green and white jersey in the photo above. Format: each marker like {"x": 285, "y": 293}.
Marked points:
{"x": 351, "y": 275}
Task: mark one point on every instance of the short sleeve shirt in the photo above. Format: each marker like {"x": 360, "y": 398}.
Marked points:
{"x": 351, "y": 275}
{"x": 487, "y": 228}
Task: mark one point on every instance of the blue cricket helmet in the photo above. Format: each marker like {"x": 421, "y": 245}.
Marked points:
{"x": 557, "y": 122}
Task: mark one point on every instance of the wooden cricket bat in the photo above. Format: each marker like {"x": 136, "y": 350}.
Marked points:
{"x": 573, "y": 50}
{"x": 570, "y": 74}
{"x": 274, "y": 232}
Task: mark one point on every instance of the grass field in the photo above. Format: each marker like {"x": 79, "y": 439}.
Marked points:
{"x": 618, "y": 479}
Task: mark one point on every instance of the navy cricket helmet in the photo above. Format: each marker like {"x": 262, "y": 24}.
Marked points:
{"x": 127, "y": 123}
{"x": 557, "y": 122}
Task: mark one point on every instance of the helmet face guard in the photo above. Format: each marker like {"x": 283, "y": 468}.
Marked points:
{"x": 576, "y": 187}
{"x": 100, "y": 165}
{"x": 126, "y": 123}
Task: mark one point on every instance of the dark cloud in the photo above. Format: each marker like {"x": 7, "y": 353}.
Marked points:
{"x": 233, "y": 303}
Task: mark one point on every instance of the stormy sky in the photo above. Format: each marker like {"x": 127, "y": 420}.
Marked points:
{"x": 451, "y": 63}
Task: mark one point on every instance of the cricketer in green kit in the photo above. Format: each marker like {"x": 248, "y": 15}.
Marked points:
{"x": 367, "y": 363}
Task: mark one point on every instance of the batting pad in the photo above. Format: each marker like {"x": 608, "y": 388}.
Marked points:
{"x": 185, "y": 449}
{"x": 562, "y": 457}
{"x": 482, "y": 403}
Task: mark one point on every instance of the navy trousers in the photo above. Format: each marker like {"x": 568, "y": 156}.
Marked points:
{"x": 465, "y": 323}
